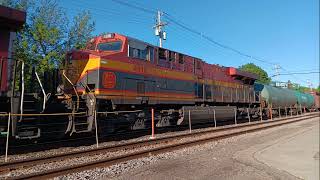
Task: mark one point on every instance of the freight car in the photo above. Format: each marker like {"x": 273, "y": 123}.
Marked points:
{"x": 284, "y": 99}
{"x": 316, "y": 97}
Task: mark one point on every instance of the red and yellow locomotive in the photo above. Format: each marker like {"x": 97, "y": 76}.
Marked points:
{"x": 120, "y": 73}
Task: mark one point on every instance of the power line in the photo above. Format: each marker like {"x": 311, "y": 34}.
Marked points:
{"x": 316, "y": 72}
{"x": 203, "y": 36}
{"x": 134, "y": 6}
{"x": 195, "y": 32}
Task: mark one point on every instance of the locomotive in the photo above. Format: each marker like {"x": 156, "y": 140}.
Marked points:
{"x": 116, "y": 80}
{"x": 120, "y": 73}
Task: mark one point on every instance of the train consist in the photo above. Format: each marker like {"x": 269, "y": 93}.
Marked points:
{"x": 116, "y": 80}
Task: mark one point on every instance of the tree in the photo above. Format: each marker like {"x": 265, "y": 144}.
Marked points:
{"x": 252, "y": 68}
{"x": 47, "y": 34}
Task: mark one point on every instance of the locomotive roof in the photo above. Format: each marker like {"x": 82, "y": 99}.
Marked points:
{"x": 11, "y": 18}
{"x": 232, "y": 70}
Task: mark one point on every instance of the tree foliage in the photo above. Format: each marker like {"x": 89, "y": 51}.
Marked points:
{"x": 252, "y": 68}
{"x": 48, "y": 34}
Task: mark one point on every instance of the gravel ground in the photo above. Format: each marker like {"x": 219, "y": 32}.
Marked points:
{"x": 111, "y": 171}
{"x": 64, "y": 150}
{"x": 84, "y": 159}
{"x": 227, "y": 160}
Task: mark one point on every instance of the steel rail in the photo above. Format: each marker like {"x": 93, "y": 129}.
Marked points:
{"x": 239, "y": 129}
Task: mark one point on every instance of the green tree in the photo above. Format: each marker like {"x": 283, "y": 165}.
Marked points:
{"x": 252, "y": 68}
{"x": 48, "y": 34}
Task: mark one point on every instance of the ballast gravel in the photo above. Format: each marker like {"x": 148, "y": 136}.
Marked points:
{"x": 115, "y": 171}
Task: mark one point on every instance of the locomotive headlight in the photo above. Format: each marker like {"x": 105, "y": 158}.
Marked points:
{"x": 108, "y": 35}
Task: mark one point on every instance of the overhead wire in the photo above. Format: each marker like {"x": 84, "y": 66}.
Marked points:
{"x": 186, "y": 27}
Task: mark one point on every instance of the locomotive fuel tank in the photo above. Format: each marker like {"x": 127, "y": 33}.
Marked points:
{"x": 278, "y": 97}
{"x": 199, "y": 114}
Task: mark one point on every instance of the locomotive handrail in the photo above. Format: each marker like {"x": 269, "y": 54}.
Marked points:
{"x": 50, "y": 114}
{"x": 22, "y": 90}
{"x": 43, "y": 92}
{"x": 117, "y": 112}
{"x": 75, "y": 90}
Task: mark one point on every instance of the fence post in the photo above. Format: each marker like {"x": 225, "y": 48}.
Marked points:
{"x": 95, "y": 123}
{"x": 189, "y": 121}
{"x": 248, "y": 115}
{"x": 300, "y": 110}
{"x": 285, "y": 110}
{"x": 304, "y": 110}
{"x": 270, "y": 110}
{"x": 260, "y": 113}
{"x": 8, "y": 134}
{"x": 235, "y": 115}
{"x": 214, "y": 118}
{"x": 279, "y": 112}
{"x": 290, "y": 111}
{"x": 152, "y": 123}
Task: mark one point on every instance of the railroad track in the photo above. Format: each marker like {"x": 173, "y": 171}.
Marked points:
{"x": 134, "y": 150}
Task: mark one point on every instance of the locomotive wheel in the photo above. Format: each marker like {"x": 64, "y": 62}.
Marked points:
{"x": 165, "y": 121}
{"x": 139, "y": 124}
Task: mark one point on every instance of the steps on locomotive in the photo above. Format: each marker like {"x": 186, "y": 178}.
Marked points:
{"x": 81, "y": 122}
{"x": 28, "y": 126}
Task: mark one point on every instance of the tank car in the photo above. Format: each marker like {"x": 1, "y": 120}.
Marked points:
{"x": 284, "y": 99}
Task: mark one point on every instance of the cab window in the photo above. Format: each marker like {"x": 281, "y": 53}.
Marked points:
{"x": 110, "y": 46}
{"x": 140, "y": 50}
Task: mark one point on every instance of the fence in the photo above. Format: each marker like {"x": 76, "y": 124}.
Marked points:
{"x": 270, "y": 110}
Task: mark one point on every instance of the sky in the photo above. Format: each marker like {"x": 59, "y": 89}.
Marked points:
{"x": 283, "y": 32}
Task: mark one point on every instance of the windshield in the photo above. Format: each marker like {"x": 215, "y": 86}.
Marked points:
{"x": 110, "y": 46}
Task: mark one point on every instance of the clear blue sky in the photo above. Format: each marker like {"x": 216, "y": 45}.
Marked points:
{"x": 278, "y": 31}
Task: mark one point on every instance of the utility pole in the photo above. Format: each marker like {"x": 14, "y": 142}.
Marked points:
{"x": 309, "y": 84}
{"x": 158, "y": 28}
{"x": 276, "y": 68}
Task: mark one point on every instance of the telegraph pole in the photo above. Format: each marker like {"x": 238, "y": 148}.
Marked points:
{"x": 276, "y": 68}
{"x": 309, "y": 84}
{"x": 158, "y": 28}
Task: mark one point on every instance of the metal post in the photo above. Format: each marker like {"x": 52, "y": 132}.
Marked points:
{"x": 279, "y": 112}
{"x": 304, "y": 110}
{"x": 96, "y": 125}
{"x": 8, "y": 134}
{"x": 152, "y": 123}
{"x": 235, "y": 115}
{"x": 300, "y": 110}
{"x": 270, "y": 109}
{"x": 291, "y": 111}
{"x": 248, "y": 115}
{"x": 260, "y": 113}
{"x": 214, "y": 118}
{"x": 22, "y": 90}
{"x": 285, "y": 108}
{"x": 189, "y": 121}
